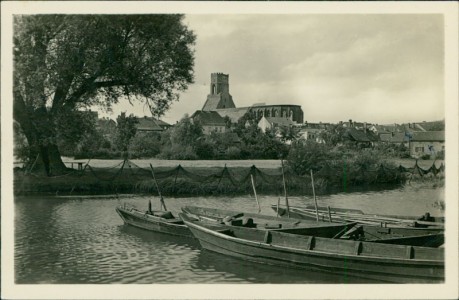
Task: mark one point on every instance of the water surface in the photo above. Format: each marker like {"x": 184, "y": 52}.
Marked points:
{"x": 81, "y": 239}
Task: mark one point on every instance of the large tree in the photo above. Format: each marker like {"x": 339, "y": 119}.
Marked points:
{"x": 63, "y": 63}
{"x": 126, "y": 129}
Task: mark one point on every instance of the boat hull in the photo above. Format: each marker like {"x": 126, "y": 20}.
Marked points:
{"x": 327, "y": 255}
{"x": 394, "y": 235}
{"x": 145, "y": 221}
{"x": 374, "y": 220}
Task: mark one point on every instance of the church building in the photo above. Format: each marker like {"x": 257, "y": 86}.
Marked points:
{"x": 221, "y": 101}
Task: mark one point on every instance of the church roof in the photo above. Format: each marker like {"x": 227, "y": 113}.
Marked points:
{"x": 211, "y": 102}
{"x": 208, "y": 118}
{"x": 233, "y": 113}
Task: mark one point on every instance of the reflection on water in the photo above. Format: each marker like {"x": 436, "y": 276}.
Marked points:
{"x": 83, "y": 240}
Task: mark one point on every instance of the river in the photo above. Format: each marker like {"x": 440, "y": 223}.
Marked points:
{"x": 81, "y": 239}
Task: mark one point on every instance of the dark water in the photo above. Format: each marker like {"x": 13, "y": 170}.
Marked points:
{"x": 83, "y": 240}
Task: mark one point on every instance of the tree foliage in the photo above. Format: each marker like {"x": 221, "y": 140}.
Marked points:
{"x": 308, "y": 155}
{"x": 335, "y": 134}
{"x": 289, "y": 133}
{"x": 125, "y": 130}
{"x": 75, "y": 129}
{"x": 63, "y": 63}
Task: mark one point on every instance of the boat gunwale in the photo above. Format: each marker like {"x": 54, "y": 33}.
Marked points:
{"x": 150, "y": 218}
{"x": 413, "y": 261}
{"x": 365, "y": 219}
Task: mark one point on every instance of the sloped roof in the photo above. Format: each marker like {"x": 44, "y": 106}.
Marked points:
{"x": 212, "y": 102}
{"x": 207, "y": 118}
{"x": 362, "y": 136}
{"x": 233, "y": 113}
{"x": 280, "y": 121}
{"x": 396, "y": 137}
{"x": 150, "y": 124}
{"x": 432, "y": 126}
{"x": 428, "y": 136}
{"x": 315, "y": 125}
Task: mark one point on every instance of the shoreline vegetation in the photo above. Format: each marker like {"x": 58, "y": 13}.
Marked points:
{"x": 210, "y": 178}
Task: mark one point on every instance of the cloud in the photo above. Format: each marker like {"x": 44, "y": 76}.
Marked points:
{"x": 336, "y": 66}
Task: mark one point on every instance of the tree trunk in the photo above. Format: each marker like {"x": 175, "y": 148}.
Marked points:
{"x": 44, "y": 154}
{"x": 47, "y": 160}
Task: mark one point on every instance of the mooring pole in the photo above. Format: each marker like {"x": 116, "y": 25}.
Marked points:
{"x": 314, "y": 194}
{"x": 255, "y": 192}
{"x": 157, "y": 187}
{"x": 285, "y": 189}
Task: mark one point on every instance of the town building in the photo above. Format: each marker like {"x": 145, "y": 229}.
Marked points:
{"x": 427, "y": 143}
{"x": 150, "y": 124}
{"x": 210, "y": 121}
{"x": 271, "y": 123}
{"x": 313, "y": 131}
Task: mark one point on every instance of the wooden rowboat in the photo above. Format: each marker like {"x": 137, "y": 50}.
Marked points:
{"x": 342, "y": 215}
{"x": 403, "y": 236}
{"x": 380, "y": 262}
{"x": 252, "y": 220}
{"x": 154, "y": 220}
{"x": 166, "y": 222}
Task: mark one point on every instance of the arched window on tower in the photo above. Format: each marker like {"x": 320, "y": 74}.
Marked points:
{"x": 214, "y": 89}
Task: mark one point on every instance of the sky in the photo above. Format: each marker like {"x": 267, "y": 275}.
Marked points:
{"x": 366, "y": 67}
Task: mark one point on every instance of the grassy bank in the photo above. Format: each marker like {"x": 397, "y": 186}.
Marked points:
{"x": 214, "y": 178}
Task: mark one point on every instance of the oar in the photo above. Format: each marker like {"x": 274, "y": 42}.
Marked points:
{"x": 255, "y": 192}
{"x": 163, "y": 205}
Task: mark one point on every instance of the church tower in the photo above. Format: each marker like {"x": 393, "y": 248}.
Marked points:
{"x": 219, "y": 96}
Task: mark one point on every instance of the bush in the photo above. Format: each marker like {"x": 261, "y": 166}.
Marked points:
{"x": 233, "y": 153}
{"x": 307, "y": 155}
{"x": 145, "y": 145}
{"x": 341, "y": 165}
{"x": 440, "y": 155}
{"x": 205, "y": 150}
{"x": 98, "y": 154}
{"x": 178, "y": 152}
{"x": 425, "y": 157}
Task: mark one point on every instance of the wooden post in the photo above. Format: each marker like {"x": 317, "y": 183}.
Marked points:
{"x": 314, "y": 194}
{"x": 163, "y": 205}
{"x": 329, "y": 214}
{"x": 285, "y": 189}
{"x": 255, "y": 192}
{"x": 278, "y": 204}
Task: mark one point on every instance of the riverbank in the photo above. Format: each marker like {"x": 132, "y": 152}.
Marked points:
{"x": 201, "y": 178}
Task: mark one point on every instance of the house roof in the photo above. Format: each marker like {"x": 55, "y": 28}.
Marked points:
{"x": 432, "y": 126}
{"x": 151, "y": 124}
{"x": 207, "y": 118}
{"x": 280, "y": 121}
{"x": 362, "y": 136}
{"x": 396, "y": 137}
{"x": 428, "y": 136}
{"x": 321, "y": 126}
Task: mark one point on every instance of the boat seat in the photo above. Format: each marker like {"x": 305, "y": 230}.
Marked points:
{"x": 164, "y": 214}
{"x": 270, "y": 226}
